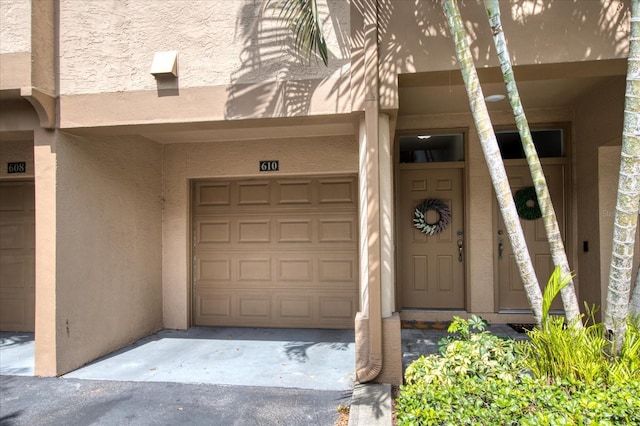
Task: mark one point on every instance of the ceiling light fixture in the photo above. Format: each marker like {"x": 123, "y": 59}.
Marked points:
{"x": 424, "y": 137}
{"x": 494, "y": 98}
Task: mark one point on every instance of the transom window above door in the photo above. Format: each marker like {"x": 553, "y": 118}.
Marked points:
{"x": 549, "y": 143}
{"x": 428, "y": 148}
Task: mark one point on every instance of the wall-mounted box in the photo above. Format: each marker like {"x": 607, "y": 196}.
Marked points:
{"x": 165, "y": 64}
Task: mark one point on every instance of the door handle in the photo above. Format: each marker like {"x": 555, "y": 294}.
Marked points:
{"x": 460, "y": 246}
{"x": 500, "y": 244}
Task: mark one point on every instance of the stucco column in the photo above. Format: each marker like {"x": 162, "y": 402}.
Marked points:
{"x": 387, "y": 258}
{"x": 378, "y": 343}
{"x": 45, "y": 167}
{"x": 368, "y": 323}
{"x": 369, "y": 217}
{"x": 175, "y": 239}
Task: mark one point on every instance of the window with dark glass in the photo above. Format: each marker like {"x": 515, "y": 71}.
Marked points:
{"x": 548, "y": 143}
{"x": 428, "y": 148}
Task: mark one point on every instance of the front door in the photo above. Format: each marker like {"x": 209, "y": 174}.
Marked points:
{"x": 432, "y": 266}
{"x": 511, "y": 293}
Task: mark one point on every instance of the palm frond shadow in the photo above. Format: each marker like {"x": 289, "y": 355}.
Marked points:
{"x": 299, "y": 351}
{"x": 274, "y": 80}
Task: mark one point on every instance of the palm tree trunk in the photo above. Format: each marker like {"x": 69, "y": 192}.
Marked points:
{"x": 493, "y": 158}
{"x": 626, "y": 218}
{"x": 558, "y": 253}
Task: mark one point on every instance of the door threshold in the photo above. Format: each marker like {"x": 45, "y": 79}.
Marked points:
{"x": 529, "y": 311}
{"x": 431, "y": 315}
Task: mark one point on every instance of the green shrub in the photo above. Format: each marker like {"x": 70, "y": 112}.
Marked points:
{"x": 564, "y": 352}
{"x": 525, "y": 401}
{"x": 467, "y": 354}
{"x": 562, "y": 376}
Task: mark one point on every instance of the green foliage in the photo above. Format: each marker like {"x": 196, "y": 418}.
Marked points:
{"x": 555, "y": 284}
{"x": 560, "y": 352}
{"x": 563, "y": 376}
{"x": 521, "y": 402}
{"x": 467, "y": 355}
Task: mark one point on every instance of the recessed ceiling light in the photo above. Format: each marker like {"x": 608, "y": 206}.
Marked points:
{"x": 494, "y": 98}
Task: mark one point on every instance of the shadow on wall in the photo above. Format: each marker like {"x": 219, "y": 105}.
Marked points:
{"x": 276, "y": 81}
{"x": 415, "y": 37}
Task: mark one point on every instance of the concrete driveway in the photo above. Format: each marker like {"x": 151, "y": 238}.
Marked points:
{"x": 285, "y": 358}
{"x": 201, "y": 376}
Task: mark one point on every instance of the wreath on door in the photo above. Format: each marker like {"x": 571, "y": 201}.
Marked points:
{"x": 527, "y": 203}
{"x": 420, "y": 220}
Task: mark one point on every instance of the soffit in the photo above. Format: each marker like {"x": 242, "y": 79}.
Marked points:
{"x": 540, "y": 86}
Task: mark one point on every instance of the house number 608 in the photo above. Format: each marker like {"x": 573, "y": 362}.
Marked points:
{"x": 269, "y": 166}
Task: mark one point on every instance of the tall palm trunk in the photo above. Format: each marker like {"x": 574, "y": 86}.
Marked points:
{"x": 493, "y": 158}
{"x": 626, "y": 218}
{"x": 558, "y": 253}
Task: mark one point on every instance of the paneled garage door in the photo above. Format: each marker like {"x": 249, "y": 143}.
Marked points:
{"x": 276, "y": 252}
{"x": 17, "y": 246}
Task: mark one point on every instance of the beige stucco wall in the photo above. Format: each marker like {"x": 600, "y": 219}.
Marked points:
{"x": 45, "y": 161}
{"x": 15, "y": 26}
{"x": 27, "y": 44}
{"x": 43, "y": 46}
{"x": 16, "y": 151}
{"x": 537, "y": 31}
{"x": 234, "y": 65}
{"x": 415, "y": 35}
{"x": 15, "y": 43}
{"x": 598, "y": 122}
{"x": 109, "y": 48}
{"x": 108, "y": 248}
{"x": 17, "y": 117}
{"x": 183, "y": 162}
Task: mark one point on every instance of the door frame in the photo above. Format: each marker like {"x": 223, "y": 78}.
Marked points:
{"x": 397, "y": 166}
{"x": 569, "y": 210}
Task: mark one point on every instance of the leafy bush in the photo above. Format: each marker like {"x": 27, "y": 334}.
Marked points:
{"x": 525, "y": 401}
{"x": 479, "y": 355}
{"x": 563, "y": 376}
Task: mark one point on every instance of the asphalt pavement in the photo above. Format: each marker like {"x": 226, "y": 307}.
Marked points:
{"x": 61, "y": 401}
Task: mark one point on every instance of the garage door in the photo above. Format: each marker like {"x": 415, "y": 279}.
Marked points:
{"x": 276, "y": 252}
{"x": 17, "y": 243}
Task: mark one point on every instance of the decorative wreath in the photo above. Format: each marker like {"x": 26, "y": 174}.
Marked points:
{"x": 527, "y": 203}
{"x": 420, "y": 221}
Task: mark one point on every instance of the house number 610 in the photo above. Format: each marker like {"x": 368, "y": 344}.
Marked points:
{"x": 269, "y": 166}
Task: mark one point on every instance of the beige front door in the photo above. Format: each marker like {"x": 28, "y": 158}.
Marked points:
{"x": 17, "y": 247}
{"x": 431, "y": 269}
{"x": 511, "y": 294}
{"x": 280, "y": 252}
